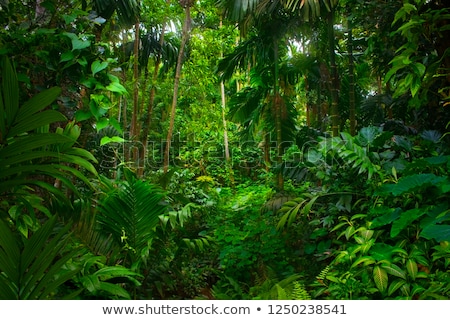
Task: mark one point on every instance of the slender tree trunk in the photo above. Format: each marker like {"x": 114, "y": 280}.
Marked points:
{"x": 334, "y": 77}
{"x": 225, "y": 125}
{"x": 351, "y": 78}
{"x": 184, "y": 38}
{"x": 224, "y": 121}
{"x": 278, "y": 106}
{"x": 135, "y": 115}
{"x": 124, "y": 104}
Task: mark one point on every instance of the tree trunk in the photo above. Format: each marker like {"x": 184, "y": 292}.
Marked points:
{"x": 184, "y": 38}
{"x": 278, "y": 109}
{"x": 334, "y": 77}
{"x": 135, "y": 114}
{"x": 225, "y": 125}
{"x": 124, "y": 105}
{"x": 351, "y": 78}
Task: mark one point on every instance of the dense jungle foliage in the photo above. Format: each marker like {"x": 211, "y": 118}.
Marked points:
{"x": 224, "y": 149}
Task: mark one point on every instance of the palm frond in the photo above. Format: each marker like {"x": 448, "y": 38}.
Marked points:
{"x": 127, "y": 10}
{"x": 130, "y": 214}
{"x": 27, "y": 150}
{"x": 34, "y": 268}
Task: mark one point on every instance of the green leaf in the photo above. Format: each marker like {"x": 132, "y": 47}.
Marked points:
{"x": 391, "y": 215}
{"x": 67, "y": 56}
{"x": 98, "y": 66}
{"x": 411, "y": 267}
{"x": 38, "y": 103}
{"x": 418, "y": 68}
{"x": 365, "y": 260}
{"x": 101, "y": 124}
{"x": 437, "y": 232}
{"x": 406, "y": 218}
{"x": 394, "y": 270}
{"x": 115, "y": 139}
{"x": 78, "y": 44}
{"x": 380, "y": 278}
{"x": 9, "y": 96}
{"x": 395, "y": 285}
{"x": 381, "y": 251}
{"x": 116, "y": 87}
{"x": 410, "y": 183}
{"x": 82, "y": 115}
{"x": 39, "y": 120}
{"x": 114, "y": 290}
{"x": 415, "y": 86}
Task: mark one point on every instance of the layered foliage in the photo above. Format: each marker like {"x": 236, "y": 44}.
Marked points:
{"x": 307, "y": 158}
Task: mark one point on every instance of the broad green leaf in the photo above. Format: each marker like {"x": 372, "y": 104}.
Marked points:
{"x": 90, "y": 282}
{"x": 98, "y": 66}
{"x": 116, "y": 87}
{"x": 437, "y": 232}
{"x": 101, "y": 124}
{"x": 350, "y": 231}
{"x": 110, "y": 272}
{"x": 415, "y": 86}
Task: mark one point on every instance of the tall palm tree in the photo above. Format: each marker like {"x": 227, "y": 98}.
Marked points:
{"x": 250, "y": 13}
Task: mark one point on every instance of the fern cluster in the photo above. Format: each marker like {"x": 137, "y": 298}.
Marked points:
{"x": 299, "y": 292}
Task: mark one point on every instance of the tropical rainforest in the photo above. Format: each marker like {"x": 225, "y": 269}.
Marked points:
{"x": 224, "y": 149}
